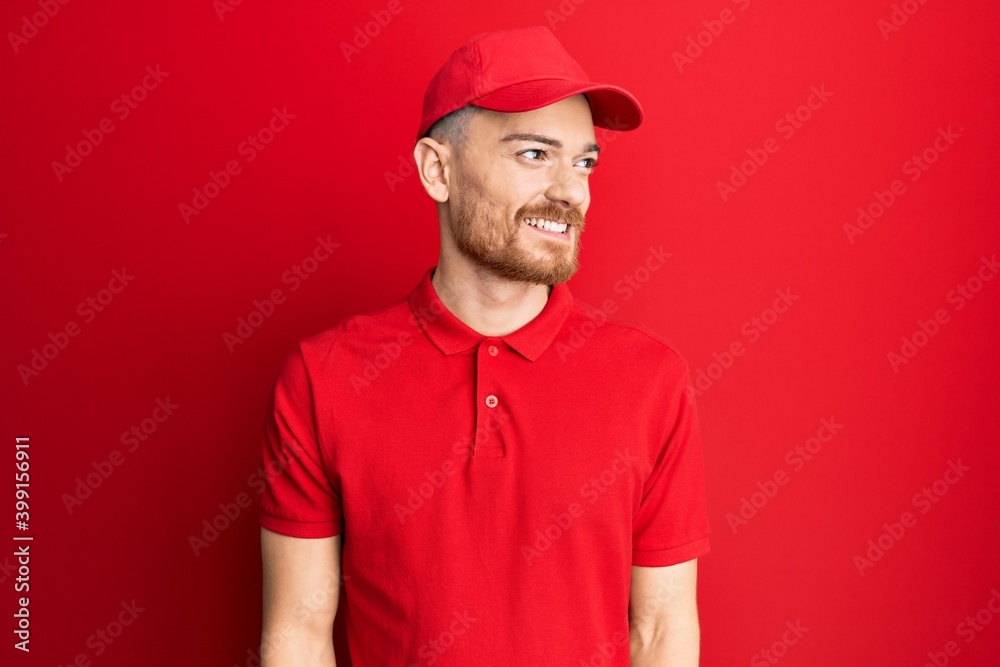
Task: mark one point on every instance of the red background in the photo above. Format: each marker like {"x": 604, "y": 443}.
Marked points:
{"x": 324, "y": 175}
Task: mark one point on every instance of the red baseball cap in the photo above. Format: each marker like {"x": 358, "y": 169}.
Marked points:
{"x": 521, "y": 70}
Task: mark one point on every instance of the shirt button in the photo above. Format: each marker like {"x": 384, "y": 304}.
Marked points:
{"x": 491, "y": 401}
{"x": 493, "y": 350}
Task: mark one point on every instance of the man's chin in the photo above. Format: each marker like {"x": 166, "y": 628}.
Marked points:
{"x": 524, "y": 268}
{"x": 539, "y": 276}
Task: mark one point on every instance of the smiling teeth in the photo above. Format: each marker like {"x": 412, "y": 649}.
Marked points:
{"x": 548, "y": 225}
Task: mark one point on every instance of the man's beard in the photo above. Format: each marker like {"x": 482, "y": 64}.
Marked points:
{"x": 486, "y": 237}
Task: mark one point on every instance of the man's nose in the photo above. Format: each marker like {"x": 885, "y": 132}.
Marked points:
{"x": 567, "y": 188}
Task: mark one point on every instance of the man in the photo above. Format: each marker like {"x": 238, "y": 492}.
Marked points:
{"x": 505, "y": 476}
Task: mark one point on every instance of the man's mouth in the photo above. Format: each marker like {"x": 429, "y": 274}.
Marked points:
{"x": 550, "y": 226}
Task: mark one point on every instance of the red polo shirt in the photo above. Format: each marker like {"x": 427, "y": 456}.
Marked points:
{"x": 493, "y": 491}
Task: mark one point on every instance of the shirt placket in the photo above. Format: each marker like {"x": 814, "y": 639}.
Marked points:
{"x": 489, "y": 400}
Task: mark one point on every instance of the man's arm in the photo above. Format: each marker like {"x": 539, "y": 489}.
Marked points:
{"x": 301, "y": 590}
{"x": 663, "y": 616}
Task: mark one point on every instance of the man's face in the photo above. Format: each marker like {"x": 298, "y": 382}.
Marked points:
{"x": 517, "y": 174}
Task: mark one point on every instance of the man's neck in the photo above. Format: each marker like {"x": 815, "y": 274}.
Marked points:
{"x": 487, "y": 303}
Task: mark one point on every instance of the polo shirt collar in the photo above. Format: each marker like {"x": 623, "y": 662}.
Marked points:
{"x": 451, "y": 335}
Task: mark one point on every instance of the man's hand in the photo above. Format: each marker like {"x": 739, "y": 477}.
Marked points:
{"x": 301, "y": 590}
{"x": 663, "y": 616}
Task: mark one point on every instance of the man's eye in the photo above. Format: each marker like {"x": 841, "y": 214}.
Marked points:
{"x": 537, "y": 154}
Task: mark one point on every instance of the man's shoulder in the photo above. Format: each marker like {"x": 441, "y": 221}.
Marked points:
{"x": 625, "y": 336}
{"x": 363, "y": 328}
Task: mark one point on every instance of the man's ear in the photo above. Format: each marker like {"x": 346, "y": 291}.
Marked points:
{"x": 432, "y": 160}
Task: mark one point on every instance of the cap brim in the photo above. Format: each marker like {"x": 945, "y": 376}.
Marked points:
{"x": 610, "y": 106}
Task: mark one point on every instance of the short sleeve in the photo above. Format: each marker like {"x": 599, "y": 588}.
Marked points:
{"x": 298, "y": 498}
{"x": 671, "y": 525}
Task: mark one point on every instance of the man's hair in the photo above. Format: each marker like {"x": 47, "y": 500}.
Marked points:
{"x": 454, "y": 127}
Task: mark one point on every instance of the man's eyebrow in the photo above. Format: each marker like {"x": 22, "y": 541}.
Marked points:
{"x": 542, "y": 139}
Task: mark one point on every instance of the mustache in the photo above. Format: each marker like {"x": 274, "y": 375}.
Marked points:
{"x": 552, "y": 211}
